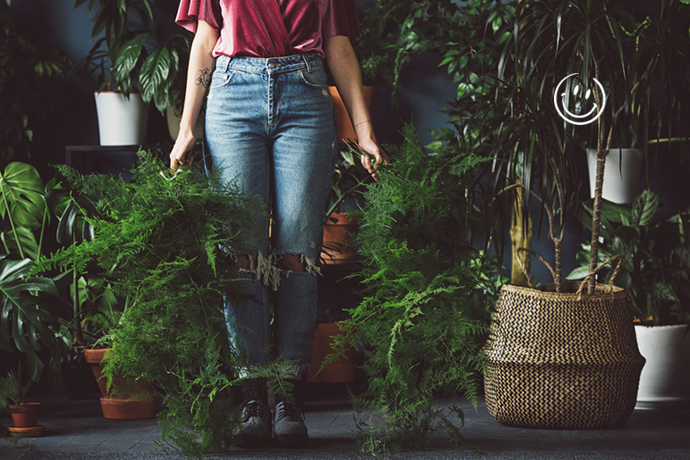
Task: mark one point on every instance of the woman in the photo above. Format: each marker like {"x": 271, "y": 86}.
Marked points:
{"x": 269, "y": 120}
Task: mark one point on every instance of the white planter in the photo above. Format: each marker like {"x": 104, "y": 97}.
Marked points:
{"x": 121, "y": 121}
{"x": 665, "y": 378}
{"x": 621, "y": 174}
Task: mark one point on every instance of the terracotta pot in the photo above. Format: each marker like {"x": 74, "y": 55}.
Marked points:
{"x": 345, "y": 128}
{"x": 335, "y": 251}
{"x": 141, "y": 404}
{"x": 341, "y": 371}
{"x": 27, "y": 416}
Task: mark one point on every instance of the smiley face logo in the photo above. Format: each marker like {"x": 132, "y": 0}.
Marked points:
{"x": 585, "y": 104}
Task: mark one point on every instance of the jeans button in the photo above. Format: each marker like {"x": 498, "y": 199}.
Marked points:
{"x": 271, "y": 65}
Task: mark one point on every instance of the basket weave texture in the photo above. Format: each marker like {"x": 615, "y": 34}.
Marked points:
{"x": 562, "y": 360}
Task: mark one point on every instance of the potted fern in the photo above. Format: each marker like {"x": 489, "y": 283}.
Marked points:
{"x": 161, "y": 241}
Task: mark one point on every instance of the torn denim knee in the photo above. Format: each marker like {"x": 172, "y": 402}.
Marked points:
{"x": 268, "y": 273}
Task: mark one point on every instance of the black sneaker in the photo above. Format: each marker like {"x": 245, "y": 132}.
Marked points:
{"x": 255, "y": 430}
{"x": 289, "y": 429}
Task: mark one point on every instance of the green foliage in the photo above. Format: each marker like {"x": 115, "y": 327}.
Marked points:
{"x": 159, "y": 241}
{"x": 28, "y": 77}
{"x": 11, "y": 386}
{"x": 348, "y": 181}
{"x": 28, "y": 318}
{"x": 427, "y": 300}
{"x": 656, "y": 258}
{"x": 373, "y": 49}
{"x": 136, "y": 58}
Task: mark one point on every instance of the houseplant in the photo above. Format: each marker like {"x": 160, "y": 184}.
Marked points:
{"x": 28, "y": 83}
{"x": 656, "y": 57}
{"x": 29, "y": 320}
{"x": 160, "y": 239}
{"x": 584, "y": 38}
{"x": 24, "y": 414}
{"x": 136, "y": 67}
{"x": 423, "y": 318}
{"x": 655, "y": 272}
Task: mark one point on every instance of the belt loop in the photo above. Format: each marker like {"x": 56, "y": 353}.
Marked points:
{"x": 306, "y": 61}
{"x": 226, "y": 64}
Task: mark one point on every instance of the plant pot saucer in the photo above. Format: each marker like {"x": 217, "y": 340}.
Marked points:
{"x": 28, "y": 432}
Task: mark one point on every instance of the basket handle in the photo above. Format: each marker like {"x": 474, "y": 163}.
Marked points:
{"x": 594, "y": 272}
{"x": 524, "y": 270}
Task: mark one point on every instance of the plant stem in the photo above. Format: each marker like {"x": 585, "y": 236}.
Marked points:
{"x": 596, "y": 216}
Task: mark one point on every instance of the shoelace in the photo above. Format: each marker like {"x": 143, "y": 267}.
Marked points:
{"x": 284, "y": 409}
{"x": 252, "y": 409}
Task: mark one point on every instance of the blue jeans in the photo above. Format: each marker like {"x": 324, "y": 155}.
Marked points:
{"x": 269, "y": 122}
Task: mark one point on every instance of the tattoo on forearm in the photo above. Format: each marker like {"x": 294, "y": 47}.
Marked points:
{"x": 203, "y": 77}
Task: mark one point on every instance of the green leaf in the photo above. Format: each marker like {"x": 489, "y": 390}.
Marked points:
{"x": 644, "y": 208}
{"x": 664, "y": 291}
{"x": 578, "y": 274}
{"x": 35, "y": 365}
{"x": 128, "y": 57}
{"x": 153, "y": 79}
{"x": 21, "y": 195}
{"x": 23, "y": 319}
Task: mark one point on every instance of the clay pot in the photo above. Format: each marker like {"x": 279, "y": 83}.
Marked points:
{"x": 345, "y": 129}
{"x": 140, "y": 404}
{"x": 335, "y": 235}
{"x": 341, "y": 371}
{"x": 27, "y": 415}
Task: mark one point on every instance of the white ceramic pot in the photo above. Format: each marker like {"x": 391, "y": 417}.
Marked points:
{"x": 665, "y": 378}
{"x": 121, "y": 121}
{"x": 621, "y": 174}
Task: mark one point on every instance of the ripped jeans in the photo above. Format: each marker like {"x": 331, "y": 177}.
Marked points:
{"x": 270, "y": 122}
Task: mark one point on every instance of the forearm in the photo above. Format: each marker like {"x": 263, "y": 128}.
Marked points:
{"x": 199, "y": 71}
{"x": 344, "y": 67}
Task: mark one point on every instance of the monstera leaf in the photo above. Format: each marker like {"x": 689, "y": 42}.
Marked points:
{"x": 26, "y": 324}
{"x": 22, "y": 196}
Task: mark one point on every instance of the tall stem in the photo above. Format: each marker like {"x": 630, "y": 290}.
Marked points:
{"x": 520, "y": 237}
{"x": 596, "y": 216}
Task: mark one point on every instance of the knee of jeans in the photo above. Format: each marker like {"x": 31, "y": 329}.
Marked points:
{"x": 268, "y": 270}
{"x": 297, "y": 263}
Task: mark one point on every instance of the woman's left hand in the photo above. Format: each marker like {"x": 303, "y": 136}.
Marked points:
{"x": 372, "y": 147}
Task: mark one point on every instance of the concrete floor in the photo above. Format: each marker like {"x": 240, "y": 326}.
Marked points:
{"x": 76, "y": 430}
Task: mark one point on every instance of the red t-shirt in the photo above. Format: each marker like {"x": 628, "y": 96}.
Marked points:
{"x": 271, "y": 28}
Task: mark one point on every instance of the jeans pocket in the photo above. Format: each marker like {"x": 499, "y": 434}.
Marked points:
{"x": 316, "y": 78}
{"x": 221, "y": 79}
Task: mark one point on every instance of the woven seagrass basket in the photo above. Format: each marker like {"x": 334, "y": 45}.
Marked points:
{"x": 562, "y": 360}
